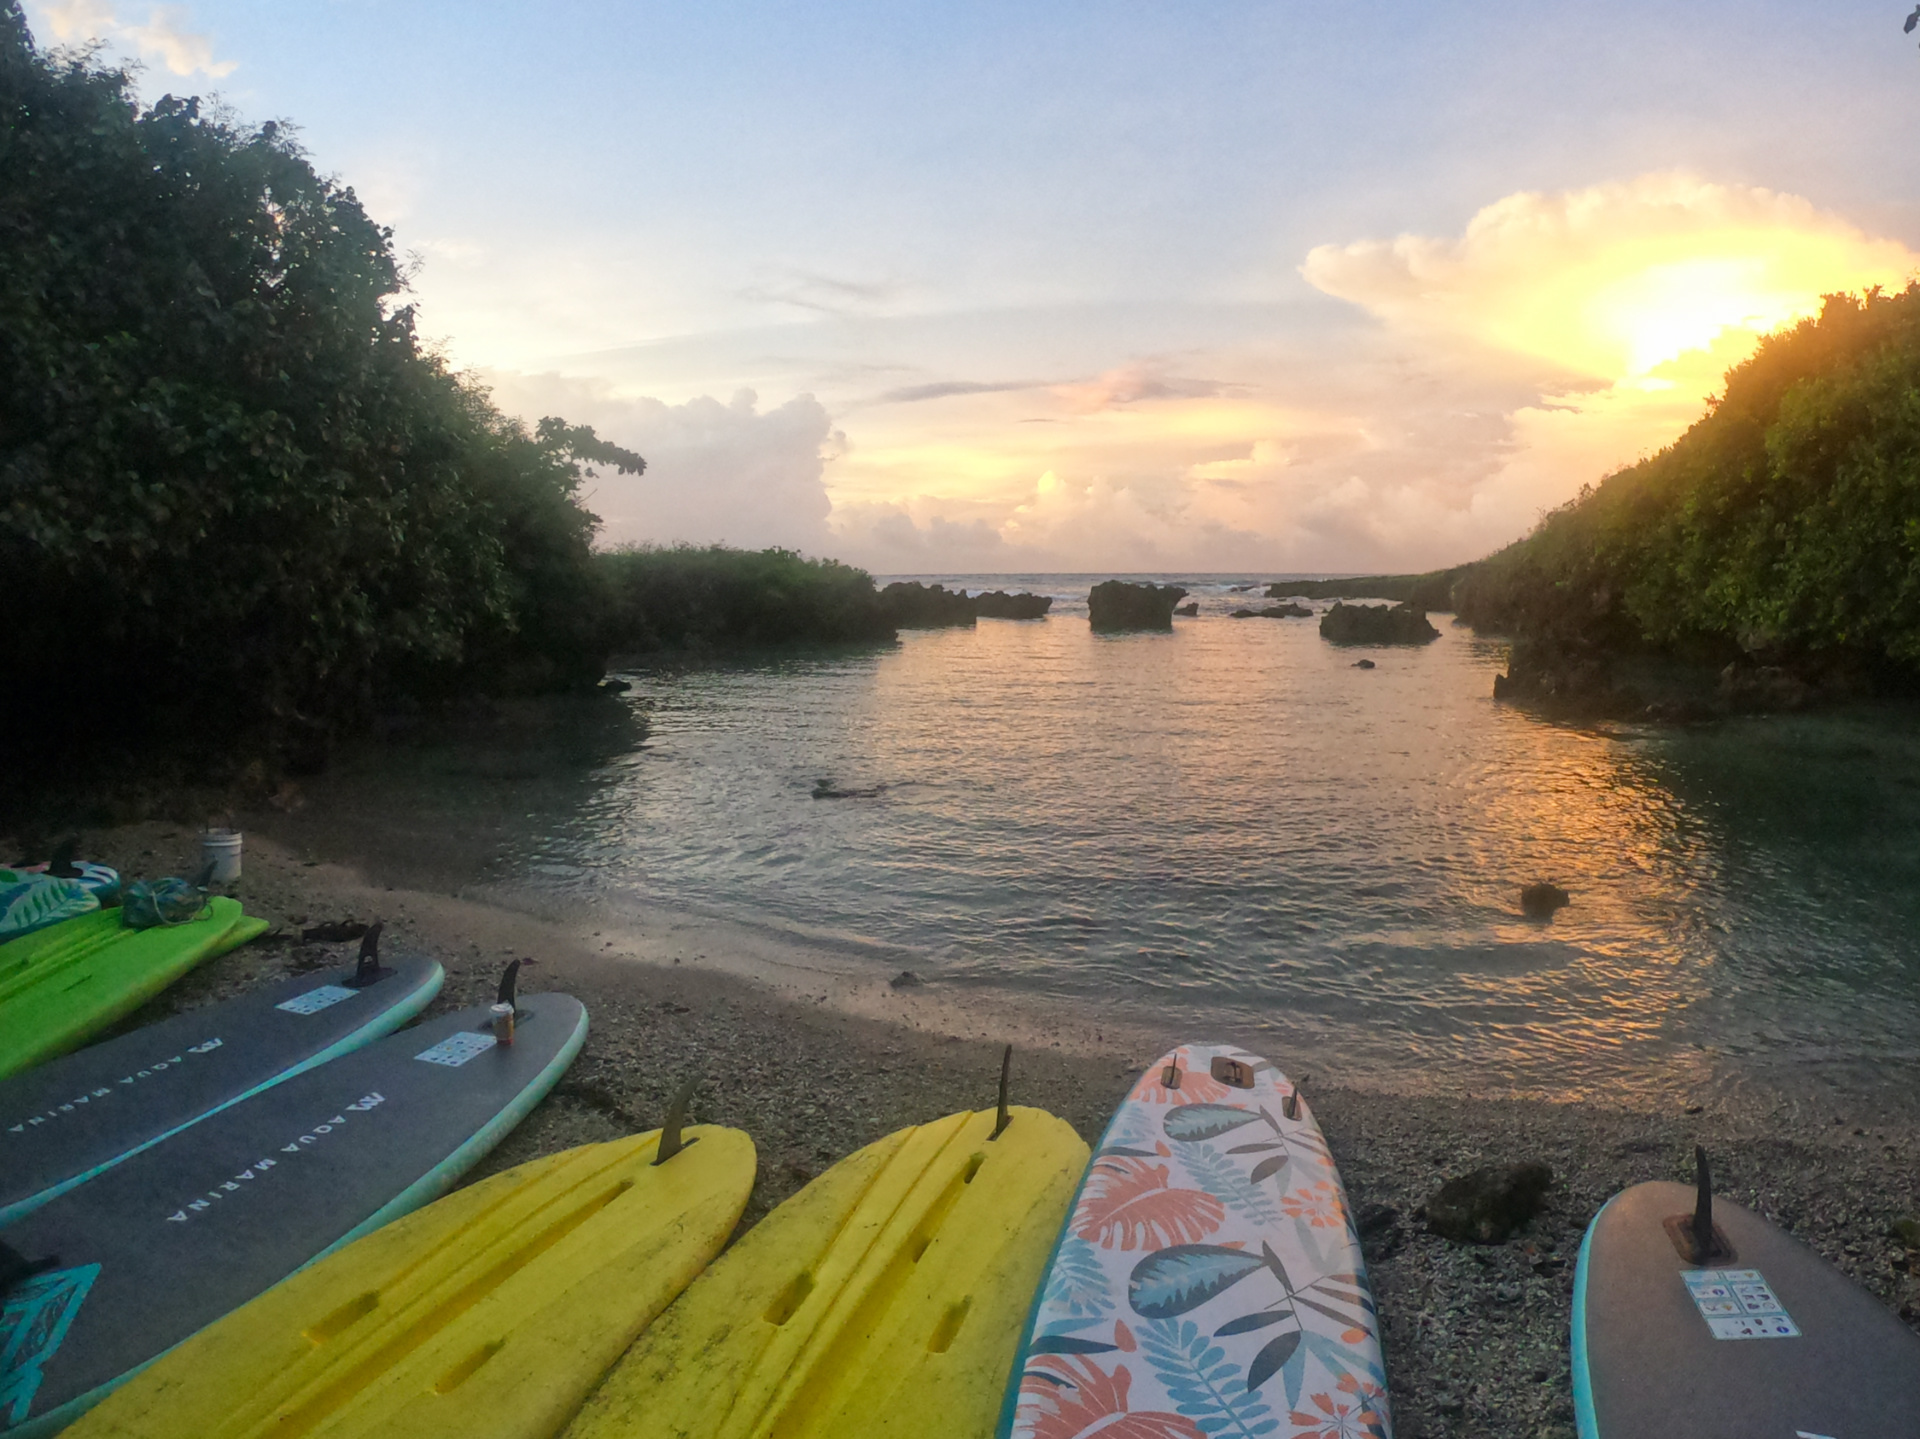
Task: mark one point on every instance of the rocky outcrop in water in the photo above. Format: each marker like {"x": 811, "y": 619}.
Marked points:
{"x": 1275, "y": 612}
{"x": 1376, "y": 625}
{"x": 910, "y": 605}
{"x": 1118, "y": 605}
{"x": 1189, "y": 610}
{"x": 1539, "y": 901}
{"x": 1484, "y": 1207}
{"x": 999, "y": 605}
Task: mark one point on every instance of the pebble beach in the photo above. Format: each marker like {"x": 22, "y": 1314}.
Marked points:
{"x": 814, "y": 1066}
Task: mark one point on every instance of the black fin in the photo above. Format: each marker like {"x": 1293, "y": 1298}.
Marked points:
{"x": 16, "y": 1268}
{"x": 368, "y": 970}
{"x": 1006, "y": 1071}
{"x": 61, "y": 866}
{"x": 509, "y": 987}
{"x": 670, "y": 1141}
{"x": 1702, "y": 1207}
{"x": 205, "y": 877}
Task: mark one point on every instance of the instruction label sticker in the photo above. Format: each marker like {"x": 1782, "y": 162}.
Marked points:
{"x": 1739, "y": 1304}
{"x": 315, "y": 1000}
{"x": 457, "y": 1049}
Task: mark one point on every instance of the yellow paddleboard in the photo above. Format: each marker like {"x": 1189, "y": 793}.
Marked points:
{"x": 885, "y": 1298}
{"x": 492, "y": 1312}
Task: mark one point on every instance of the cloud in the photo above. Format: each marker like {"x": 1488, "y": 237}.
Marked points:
{"x": 824, "y": 294}
{"x": 1614, "y": 280}
{"x": 1132, "y": 384}
{"x": 164, "y": 36}
{"x": 947, "y": 389}
{"x": 716, "y": 471}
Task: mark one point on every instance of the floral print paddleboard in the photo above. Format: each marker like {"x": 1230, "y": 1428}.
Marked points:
{"x": 1208, "y": 1283}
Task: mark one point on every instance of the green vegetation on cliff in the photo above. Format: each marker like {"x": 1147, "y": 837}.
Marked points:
{"x": 234, "y": 488}
{"x": 1784, "y": 526}
{"x": 686, "y": 597}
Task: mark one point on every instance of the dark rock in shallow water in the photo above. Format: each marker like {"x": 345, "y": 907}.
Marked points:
{"x": 1346, "y": 624}
{"x": 827, "y": 789}
{"x": 1363, "y": 664}
{"x": 910, "y": 605}
{"x": 1486, "y": 1206}
{"x": 1275, "y": 612}
{"x": 999, "y": 605}
{"x": 1117, "y": 605}
{"x": 1189, "y": 610}
{"x": 905, "y": 979}
{"x": 1539, "y": 901}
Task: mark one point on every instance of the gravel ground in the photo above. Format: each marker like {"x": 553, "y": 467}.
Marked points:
{"x": 1476, "y": 1336}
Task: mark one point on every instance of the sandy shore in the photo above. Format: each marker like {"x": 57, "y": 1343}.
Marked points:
{"x": 815, "y": 1059}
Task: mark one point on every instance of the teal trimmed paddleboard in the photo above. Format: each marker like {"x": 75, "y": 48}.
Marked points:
{"x": 69, "y": 1119}
{"x": 1754, "y": 1335}
{"x": 109, "y": 1276}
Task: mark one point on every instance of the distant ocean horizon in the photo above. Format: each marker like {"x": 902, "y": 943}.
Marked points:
{"x": 1232, "y": 824}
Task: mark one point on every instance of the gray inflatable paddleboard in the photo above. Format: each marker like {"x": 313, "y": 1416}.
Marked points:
{"x": 96, "y": 1284}
{"x": 1757, "y": 1337}
{"x": 67, "y": 1120}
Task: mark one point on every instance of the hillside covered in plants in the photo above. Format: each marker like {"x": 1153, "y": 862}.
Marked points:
{"x": 1779, "y": 537}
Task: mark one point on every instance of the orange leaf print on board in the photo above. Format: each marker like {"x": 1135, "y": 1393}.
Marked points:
{"x": 1319, "y": 1205}
{"x": 1071, "y": 1397}
{"x": 1128, "y": 1203}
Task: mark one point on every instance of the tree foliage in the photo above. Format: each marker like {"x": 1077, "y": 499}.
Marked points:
{"x": 232, "y": 481}
{"x": 687, "y": 597}
{"x": 1785, "y": 522}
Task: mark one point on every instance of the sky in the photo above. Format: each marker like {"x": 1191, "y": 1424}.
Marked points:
{"x": 1303, "y": 285}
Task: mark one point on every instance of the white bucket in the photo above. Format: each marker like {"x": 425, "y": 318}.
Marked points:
{"x": 221, "y": 849}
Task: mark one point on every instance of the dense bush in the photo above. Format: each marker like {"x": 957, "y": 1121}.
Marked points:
{"x": 1785, "y": 523}
{"x": 687, "y": 597}
{"x": 233, "y": 486}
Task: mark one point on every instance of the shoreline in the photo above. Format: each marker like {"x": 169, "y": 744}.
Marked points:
{"x": 814, "y": 1060}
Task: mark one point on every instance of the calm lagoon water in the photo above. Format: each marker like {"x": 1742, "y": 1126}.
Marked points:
{"x": 1231, "y": 826}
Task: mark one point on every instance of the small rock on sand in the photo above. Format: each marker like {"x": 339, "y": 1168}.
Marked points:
{"x": 1486, "y": 1206}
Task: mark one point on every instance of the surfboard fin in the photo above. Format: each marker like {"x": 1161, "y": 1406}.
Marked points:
{"x": 368, "y": 970}
{"x": 670, "y": 1140}
{"x": 1006, "y": 1071}
{"x": 1702, "y": 1204}
{"x": 1696, "y": 1238}
{"x": 15, "y": 1267}
{"x": 509, "y": 987}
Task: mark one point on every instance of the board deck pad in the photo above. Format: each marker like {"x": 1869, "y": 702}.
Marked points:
{"x": 491, "y": 1312}
{"x": 73, "y": 1117}
{"x": 160, "y": 1246}
{"x": 882, "y": 1301}
{"x": 1772, "y": 1340}
{"x": 1209, "y": 1278}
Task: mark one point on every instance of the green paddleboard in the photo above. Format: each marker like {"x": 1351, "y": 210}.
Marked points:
{"x": 62, "y": 985}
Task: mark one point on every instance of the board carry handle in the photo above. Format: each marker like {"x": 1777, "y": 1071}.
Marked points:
{"x": 670, "y": 1141}
{"x": 368, "y": 970}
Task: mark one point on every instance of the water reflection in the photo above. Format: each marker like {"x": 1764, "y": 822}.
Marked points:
{"x": 1232, "y": 825}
